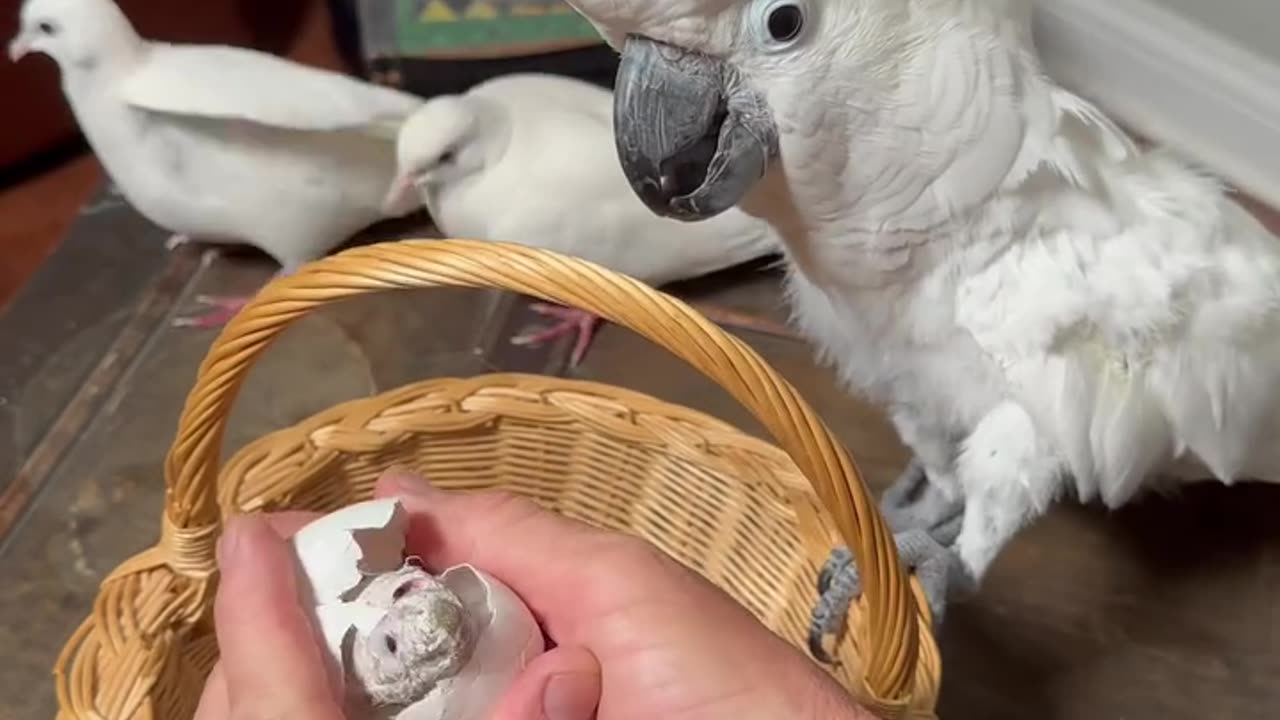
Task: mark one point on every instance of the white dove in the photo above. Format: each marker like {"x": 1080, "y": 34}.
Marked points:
{"x": 1042, "y": 307}
{"x": 223, "y": 144}
{"x": 529, "y": 158}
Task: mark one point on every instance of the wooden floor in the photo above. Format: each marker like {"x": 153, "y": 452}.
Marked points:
{"x": 37, "y": 214}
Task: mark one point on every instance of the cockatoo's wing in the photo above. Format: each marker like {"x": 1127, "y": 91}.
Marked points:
{"x": 233, "y": 83}
{"x": 1133, "y": 333}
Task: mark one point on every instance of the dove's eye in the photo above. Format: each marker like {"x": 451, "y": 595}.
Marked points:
{"x": 447, "y": 157}
{"x": 47, "y": 28}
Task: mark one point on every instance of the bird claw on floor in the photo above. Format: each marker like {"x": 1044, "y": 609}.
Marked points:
{"x": 222, "y": 309}
{"x": 110, "y": 200}
{"x": 926, "y": 524}
{"x": 175, "y": 241}
{"x": 570, "y": 320}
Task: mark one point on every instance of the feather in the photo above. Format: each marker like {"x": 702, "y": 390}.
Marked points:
{"x": 231, "y": 83}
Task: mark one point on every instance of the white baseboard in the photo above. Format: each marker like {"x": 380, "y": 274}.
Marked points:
{"x": 1173, "y": 81}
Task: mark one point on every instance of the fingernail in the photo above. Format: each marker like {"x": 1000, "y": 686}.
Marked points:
{"x": 567, "y": 696}
{"x": 408, "y": 481}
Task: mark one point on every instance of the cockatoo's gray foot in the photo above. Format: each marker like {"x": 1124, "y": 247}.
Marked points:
{"x": 938, "y": 568}
{"x": 926, "y": 525}
{"x": 912, "y": 502}
{"x": 175, "y": 241}
{"x": 571, "y": 320}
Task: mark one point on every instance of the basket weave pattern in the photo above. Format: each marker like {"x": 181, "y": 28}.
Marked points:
{"x": 754, "y": 518}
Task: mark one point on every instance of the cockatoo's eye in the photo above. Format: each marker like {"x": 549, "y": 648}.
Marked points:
{"x": 785, "y": 23}
{"x": 780, "y": 23}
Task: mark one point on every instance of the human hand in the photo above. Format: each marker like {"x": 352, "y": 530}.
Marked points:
{"x": 271, "y": 666}
{"x": 633, "y": 634}
{"x": 628, "y": 625}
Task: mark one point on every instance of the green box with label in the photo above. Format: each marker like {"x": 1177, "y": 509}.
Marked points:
{"x": 437, "y": 46}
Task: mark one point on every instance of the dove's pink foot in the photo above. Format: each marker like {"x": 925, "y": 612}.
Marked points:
{"x": 571, "y": 320}
{"x": 223, "y": 308}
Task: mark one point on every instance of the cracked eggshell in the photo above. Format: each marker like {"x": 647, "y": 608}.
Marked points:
{"x": 337, "y": 551}
{"x": 335, "y": 554}
{"x": 506, "y": 636}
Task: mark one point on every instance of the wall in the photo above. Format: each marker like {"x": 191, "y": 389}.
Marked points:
{"x": 1252, "y": 24}
{"x": 1199, "y": 76}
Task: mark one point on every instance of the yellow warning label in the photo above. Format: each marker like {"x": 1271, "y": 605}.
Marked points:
{"x": 437, "y": 11}
{"x": 481, "y": 10}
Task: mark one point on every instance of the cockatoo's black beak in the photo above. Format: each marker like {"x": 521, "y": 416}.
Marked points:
{"x": 692, "y": 136}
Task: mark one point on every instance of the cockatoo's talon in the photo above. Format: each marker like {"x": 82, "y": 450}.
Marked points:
{"x": 947, "y": 532}
{"x": 837, "y": 562}
{"x": 913, "y": 502}
{"x": 938, "y": 569}
{"x": 906, "y": 488}
{"x": 838, "y": 585}
{"x": 819, "y": 629}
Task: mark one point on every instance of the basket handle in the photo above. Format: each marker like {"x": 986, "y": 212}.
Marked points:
{"x": 191, "y": 468}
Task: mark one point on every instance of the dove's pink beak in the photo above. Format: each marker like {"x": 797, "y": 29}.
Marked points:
{"x": 401, "y": 191}
{"x": 19, "y": 47}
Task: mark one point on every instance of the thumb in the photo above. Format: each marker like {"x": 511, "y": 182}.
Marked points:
{"x": 560, "y": 684}
{"x": 271, "y": 658}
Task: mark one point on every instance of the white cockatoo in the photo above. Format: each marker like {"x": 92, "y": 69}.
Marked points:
{"x": 1041, "y": 306}
{"x": 530, "y": 158}
{"x": 223, "y": 144}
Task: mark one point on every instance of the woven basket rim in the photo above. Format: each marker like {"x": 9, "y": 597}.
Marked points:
{"x": 583, "y": 386}
{"x": 767, "y": 451}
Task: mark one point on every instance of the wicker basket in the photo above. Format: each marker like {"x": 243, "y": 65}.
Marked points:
{"x": 734, "y": 508}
